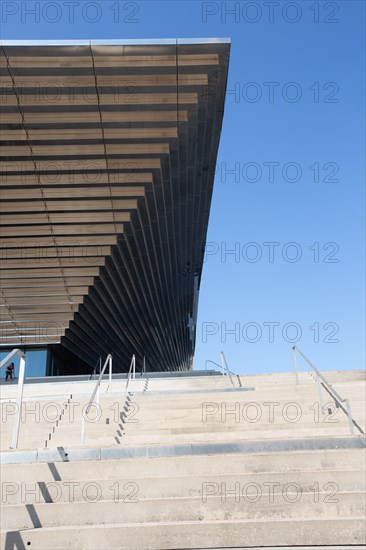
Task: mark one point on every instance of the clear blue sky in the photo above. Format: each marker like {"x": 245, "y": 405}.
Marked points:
{"x": 294, "y": 135}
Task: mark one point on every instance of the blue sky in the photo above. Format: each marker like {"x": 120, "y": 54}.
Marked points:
{"x": 290, "y": 169}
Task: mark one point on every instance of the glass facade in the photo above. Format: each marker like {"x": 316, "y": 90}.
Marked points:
{"x": 36, "y": 362}
{"x": 53, "y": 360}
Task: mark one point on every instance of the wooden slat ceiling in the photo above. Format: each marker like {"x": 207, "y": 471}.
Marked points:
{"x": 107, "y": 164}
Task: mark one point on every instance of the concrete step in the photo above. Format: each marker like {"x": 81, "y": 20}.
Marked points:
{"x": 345, "y": 375}
{"x": 193, "y": 427}
{"x": 348, "y": 383}
{"x": 356, "y": 374}
{"x": 183, "y": 406}
{"x": 158, "y": 441}
{"x": 171, "y": 466}
{"x": 46, "y": 404}
{"x": 47, "y": 407}
{"x": 229, "y": 415}
{"x": 194, "y": 534}
{"x": 193, "y": 423}
{"x": 269, "y": 380}
{"x": 69, "y": 433}
{"x": 187, "y": 401}
{"x": 177, "y": 438}
{"x": 141, "y": 411}
{"x": 266, "y": 484}
{"x": 236, "y": 413}
{"x": 259, "y": 430}
{"x": 186, "y": 382}
{"x": 62, "y": 394}
{"x": 249, "y": 503}
{"x": 232, "y": 394}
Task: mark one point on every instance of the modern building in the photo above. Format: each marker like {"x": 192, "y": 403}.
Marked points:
{"x": 108, "y": 160}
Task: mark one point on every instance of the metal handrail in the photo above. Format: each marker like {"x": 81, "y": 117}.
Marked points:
{"x": 143, "y": 370}
{"x": 213, "y": 362}
{"x": 224, "y": 368}
{"x": 19, "y": 400}
{"x": 132, "y": 370}
{"x": 108, "y": 361}
{"x": 218, "y": 365}
{"x": 337, "y": 398}
{"x": 224, "y": 362}
{"x": 99, "y": 362}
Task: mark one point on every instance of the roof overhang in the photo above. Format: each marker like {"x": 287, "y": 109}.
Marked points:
{"x": 108, "y": 159}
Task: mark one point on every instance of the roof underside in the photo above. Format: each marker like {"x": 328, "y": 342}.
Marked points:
{"x": 108, "y": 159}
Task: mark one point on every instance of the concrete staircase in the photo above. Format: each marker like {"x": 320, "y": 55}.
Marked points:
{"x": 185, "y": 462}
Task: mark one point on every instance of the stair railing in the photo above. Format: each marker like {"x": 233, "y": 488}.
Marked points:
{"x": 19, "y": 400}
{"x": 132, "y": 370}
{"x": 85, "y": 412}
{"x": 223, "y": 366}
{"x": 99, "y": 362}
{"x": 143, "y": 371}
{"x": 321, "y": 381}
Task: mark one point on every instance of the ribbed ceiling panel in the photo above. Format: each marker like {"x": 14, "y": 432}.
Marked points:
{"x": 107, "y": 165}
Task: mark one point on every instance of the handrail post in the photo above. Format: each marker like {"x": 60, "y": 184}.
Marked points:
{"x": 94, "y": 394}
{"x": 321, "y": 381}
{"x": 134, "y": 367}
{"x": 110, "y": 371}
{"x": 19, "y": 402}
{"x": 222, "y": 364}
{"x": 295, "y": 364}
{"x": 223, "y": 358}
{"x": 349, "y": 414}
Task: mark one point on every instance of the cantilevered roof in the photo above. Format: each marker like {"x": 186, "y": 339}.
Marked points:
{"x": 108, "y": 156}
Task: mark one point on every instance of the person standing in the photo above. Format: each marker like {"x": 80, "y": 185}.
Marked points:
{"x": 9, "y": 371}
